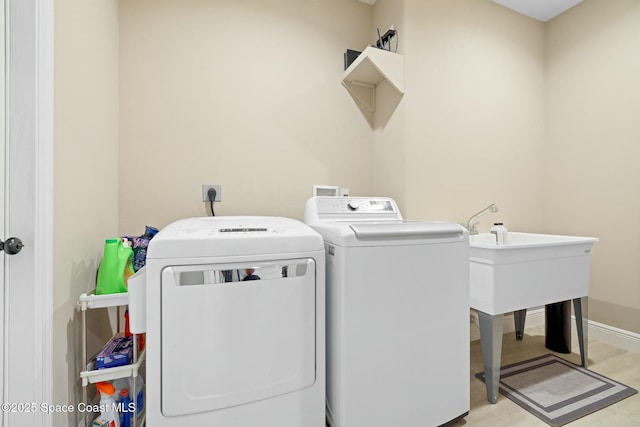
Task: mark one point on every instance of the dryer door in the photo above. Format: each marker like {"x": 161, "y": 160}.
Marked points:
{"x": 233, "y": 334}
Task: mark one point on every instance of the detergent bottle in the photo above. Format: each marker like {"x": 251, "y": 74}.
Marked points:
{"x": 115, "y": 268}
{"x": 126, "y": 408}
{"x": 108, "y": 417}
{"x": 138, "y": 396}
{"x": 128, "y": 249}
{"x": 127, "y": 331}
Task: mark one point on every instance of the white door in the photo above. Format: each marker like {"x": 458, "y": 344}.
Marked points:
{"x": 26, "y": 211}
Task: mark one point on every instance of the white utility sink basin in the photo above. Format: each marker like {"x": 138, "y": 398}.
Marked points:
{"x": 531, "y": 270}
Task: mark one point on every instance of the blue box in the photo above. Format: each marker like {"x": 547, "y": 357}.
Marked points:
{"x": 117, "y": 352}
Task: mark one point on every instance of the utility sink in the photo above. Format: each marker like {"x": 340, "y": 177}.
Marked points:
{"x": 530, "y": 270}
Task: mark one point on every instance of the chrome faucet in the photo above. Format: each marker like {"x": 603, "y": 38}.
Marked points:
{"x": 472, "y": 225}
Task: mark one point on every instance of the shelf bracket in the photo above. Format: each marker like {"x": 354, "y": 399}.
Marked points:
{"x": 364, "y": 93}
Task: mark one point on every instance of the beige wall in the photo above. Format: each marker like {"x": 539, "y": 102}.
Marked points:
{"x": 389, "y": 151}
{"x": 244, "y": 94}
{"x": 86, "y": 172}
{"x": 592, "y": 178}
{"x": 247, "y": 94}
{"x": 473, "y": 112}
{"x": 538, "y": 118}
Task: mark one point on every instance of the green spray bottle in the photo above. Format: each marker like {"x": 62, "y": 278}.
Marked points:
{"x": 115, "y": 268}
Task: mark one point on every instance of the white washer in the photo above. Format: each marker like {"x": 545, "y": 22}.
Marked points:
{"x": 225, "y": 352}
{"x": 397, "y": 314}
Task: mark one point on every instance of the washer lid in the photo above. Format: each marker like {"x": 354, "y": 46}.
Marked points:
{"x": 233, "y": 236}
{"x": 367, "y": 233}
{"x": 406, "y": 230}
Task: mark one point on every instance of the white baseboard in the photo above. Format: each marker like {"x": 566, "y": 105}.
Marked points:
{"x": 611, "y": 335}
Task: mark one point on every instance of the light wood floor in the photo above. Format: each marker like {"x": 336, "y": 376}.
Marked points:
{"x": 612, "y": 362}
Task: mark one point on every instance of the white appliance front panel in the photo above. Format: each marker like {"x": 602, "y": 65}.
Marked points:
{"x": 397, "y": 334}
{"x": 227, "y": 342}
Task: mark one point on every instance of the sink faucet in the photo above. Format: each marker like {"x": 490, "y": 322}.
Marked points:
{"x": 472, "y": 225}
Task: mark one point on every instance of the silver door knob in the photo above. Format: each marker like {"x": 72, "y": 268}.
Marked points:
{"x": 11, "y": 246}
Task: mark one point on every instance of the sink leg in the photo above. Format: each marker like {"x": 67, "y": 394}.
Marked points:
{"x": 519, "y": 317}
{"x": 580, "y": 307}
{"x": 491, "y": 343}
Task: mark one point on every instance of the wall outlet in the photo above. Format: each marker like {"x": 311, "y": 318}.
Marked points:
{"x": 205, "y": 192}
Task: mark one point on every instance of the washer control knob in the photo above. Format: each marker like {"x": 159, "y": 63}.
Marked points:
{"x": 353, "y": 206}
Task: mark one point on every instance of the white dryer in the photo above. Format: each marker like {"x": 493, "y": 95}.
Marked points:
{"x": 235, "y": 324}
{"x": 397, "y": 314}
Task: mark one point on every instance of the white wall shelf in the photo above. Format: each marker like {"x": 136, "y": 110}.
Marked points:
{"x": 92, "y": 375}
{"x": 370, "y": 68}
{"x": 91, "y": 300}
{"x": 88, "y": 301}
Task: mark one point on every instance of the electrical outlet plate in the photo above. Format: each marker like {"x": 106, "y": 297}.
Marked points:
{"x": 205, "y": 192}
